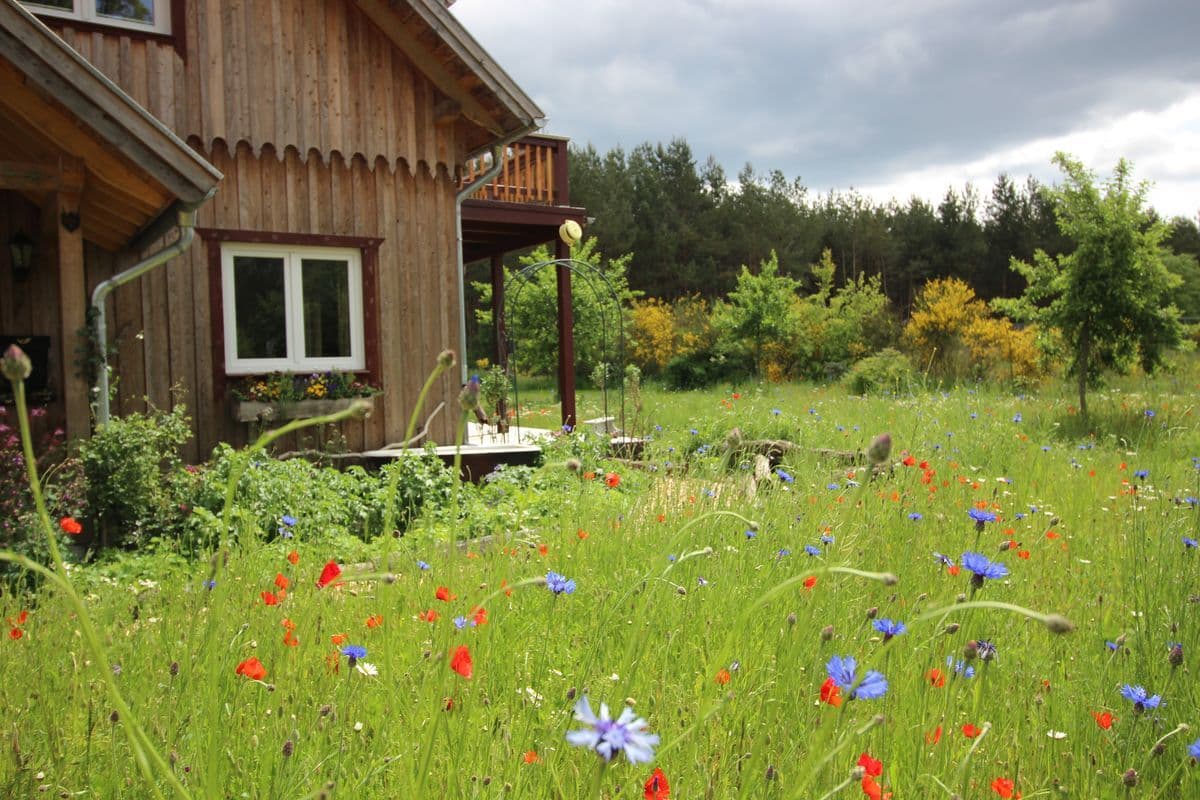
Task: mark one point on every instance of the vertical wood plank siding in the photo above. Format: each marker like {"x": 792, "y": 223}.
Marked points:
{"x": 320, "y": 126}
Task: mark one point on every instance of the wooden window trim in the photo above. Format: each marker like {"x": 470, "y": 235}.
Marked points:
{"x": 177, "y": 38}
{"x": 368, "y": 247}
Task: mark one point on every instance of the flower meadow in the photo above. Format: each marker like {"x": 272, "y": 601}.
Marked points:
{"x": 1000, "y": 609}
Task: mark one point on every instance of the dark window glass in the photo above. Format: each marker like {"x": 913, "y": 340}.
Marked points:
{"x": 260, "y": 304}
{"x": 65, "y": 5}
{"x": 133, "y": 10}
{"x": 326, "y": 289}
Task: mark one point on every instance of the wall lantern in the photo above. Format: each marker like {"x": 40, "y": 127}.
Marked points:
{"x": 20, "y": 248}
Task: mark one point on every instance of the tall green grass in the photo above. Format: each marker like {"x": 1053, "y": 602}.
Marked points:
{"x": 681, "y": 579}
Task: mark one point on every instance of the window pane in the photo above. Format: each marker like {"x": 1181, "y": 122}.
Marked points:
{"x": 259, "y": 307}
{"x": 66, "y": 5}
{"x": 135, "y": 10}
{"x": 326, "y": 308}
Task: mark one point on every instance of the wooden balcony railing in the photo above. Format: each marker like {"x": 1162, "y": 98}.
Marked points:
{"x": 534, "y": 171}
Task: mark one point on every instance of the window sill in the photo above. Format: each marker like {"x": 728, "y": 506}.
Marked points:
{"x": 255, "y": 411}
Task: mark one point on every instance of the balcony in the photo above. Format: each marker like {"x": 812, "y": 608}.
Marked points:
{"x": 523, "y": 205}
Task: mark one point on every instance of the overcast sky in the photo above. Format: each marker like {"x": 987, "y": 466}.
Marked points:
{"x": 891, "y": 98}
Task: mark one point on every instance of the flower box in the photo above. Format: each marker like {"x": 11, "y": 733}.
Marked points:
{"x": 255, "y": 411}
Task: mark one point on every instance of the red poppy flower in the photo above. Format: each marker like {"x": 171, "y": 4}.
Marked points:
{"x": 657, "y": 787}
{"x": 612, "y": 480}
{"x": 1105, "y": 719}
{"x": 479, "y": 616}
{"x": 722, "y": 677}
{"x": 909, "y": 461}
{"x": 1023, "y": 554}
{"x": 375, "y": 620}
{"x": 543, "y": 549}
{"x": 19, "y": 619}
{"x": 328, "y": 574}
{"x": 428, "y": 616}
{"x": 282, "y": 581}
{"x": 252, "y": 668}
{"x": 873, "y": 767}
{"x": 339, "y": 639}
{"x": 873, "y": 790}
{"x": 970, "y": 731}
{"x": 953, "y": 570}
{"x": 290, "y": 639}
{"x": 934, "y": 736}
{"x": 293, "y": 557}
{"x": 531, "y": 757}
{"x": 1004, "y": 787}
{"x": 582, "y": 534}
{"x": 270, "y": 599}
{"x": 504, "y": 585}
{"x": 810, "y": 581}
{"x": 1051, "y": 535}
{"x": 15, "y": 633}
{"x": 589, "y": 476}
{"x": 736, "y": 396}
{"x": 70, "y": 526}
{"x": 936, "y": 678}
{"x": 461, "y": 663}
{"x": 443, "y": 594}
{"x": 831, "y": 693}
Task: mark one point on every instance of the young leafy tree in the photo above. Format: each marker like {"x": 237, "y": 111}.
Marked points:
{"x": 1109, "y": 297}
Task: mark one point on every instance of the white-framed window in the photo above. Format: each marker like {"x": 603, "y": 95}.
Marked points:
{"x": 153, "y": 16}
{"x": 291, "y": 308}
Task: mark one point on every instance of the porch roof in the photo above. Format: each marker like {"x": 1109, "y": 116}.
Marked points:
{"x": 64, "y": 126}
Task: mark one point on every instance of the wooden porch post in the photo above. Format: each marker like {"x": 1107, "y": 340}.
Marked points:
{"x": 566, "y": 339}
{"x": 498, "y": 310}
{"x": 72, "y": 300}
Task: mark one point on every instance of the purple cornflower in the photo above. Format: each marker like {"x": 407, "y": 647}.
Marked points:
{"x": 354, "y": 652}
{"x": 986, "y": 650}
{"x": 812, "y": 550}
{"x": 842, "y": 671}
{"x": 422, "y": 564}
{"x": 888, "y": 627}
{"x": 1190, "y": 543}
{"x": 750, "y": 534}
{"x": 960, "y": 667}
{"x": 916, "y": 516}
{"x": 982, "y": 568}
{"x": 626, "y": 734}
{"x": 461, "y": 622}
{"x": 1142, "y": 473}
{"x": 826, "y": 538}
{"x": 784, "y": 476}
{"x": 559, "y": 584}
{"x": 783, "y": 553}
{"x": 1137, "y": 695}
{"x": 1194, "y": 750}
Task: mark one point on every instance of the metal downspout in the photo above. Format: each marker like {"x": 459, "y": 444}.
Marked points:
{"x": 463, "y": 194}
{"x": 187, "y": 233}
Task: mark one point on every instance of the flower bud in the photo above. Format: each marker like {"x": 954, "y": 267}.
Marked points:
{"x": 827, "y": 633}
{"x": 574, "y": 465}
{"x": 468, "y": 398}
{"x": 446, "y": 359}
{"x": 791, "y": 618}
{"x": 1130, "y": 778}
{"x": 952, "y": 629}
{"x": 15, "y": 365}
{"x": 1175, "y": 654}
{"x": 880, "y": 449}
{"x": 970, "y": 650}
{"x": 872, "y": 612}
{"x": 858, "y": 773}
{"x": 1057, "y": 623}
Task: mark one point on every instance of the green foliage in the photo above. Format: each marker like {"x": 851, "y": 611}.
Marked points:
{"x": 124, "y": 463}
{"x": 759, "y": 311}
{"x": 1109, "y": 298}
{"x": 532, "y": 321}
{"x": 888, "y": 371}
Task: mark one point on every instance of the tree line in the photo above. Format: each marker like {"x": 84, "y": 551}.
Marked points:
{"x": 690, "y": 229}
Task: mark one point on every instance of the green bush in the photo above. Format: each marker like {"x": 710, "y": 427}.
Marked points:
{"x": 702, "y": 368}
{"x": 124, "y": 463}
{"x": 889, "y": 370}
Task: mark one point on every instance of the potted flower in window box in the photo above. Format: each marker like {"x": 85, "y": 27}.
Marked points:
{"x": 283, "y": 396}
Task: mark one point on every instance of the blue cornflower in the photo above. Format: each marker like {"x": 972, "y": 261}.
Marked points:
{"x": 1149, "y": 413}
{"x": 288, "y": 520}
{"x": 750, "y": 534}
{"x": 812, "y": 550}
{"x": 567, "y": 428}
{"x": 982, "y": 567}
{"x": 671, "y": 558}
{"x": 776, "y": 411}
{"x": 354, "y": 652}
{"x": 1017, "y": 417}
{"x": 1192, "y": 501}
{"x": 784, "y": 476}
{"x": 626, "y": 734}
{"x": 1112, "y": 645}
{"x": 833, "y": 487}
{"x": 842, "y": 669}
{"x": 559, "y": 584}
{"x": 812, "y": 411}
{"x": 888, "y": 628}
{"x": 658, "y": 428}
{"x": 946, "y": 561}
{"x": 1142, "y": 473}
{"x": 974, "y": 415}
{"x": 701, "y": 580}
{"x": 916, "y": 516}
{"x": 985, "y": 649}
{"x": 783, "y": 553}
{"x": 461, "y": 622}
{"x": 826, "y": 538}
{"x": 1137, "y": 695}
{"x": 423, "y": 565}
{"x": 1189, "y": 543}
{"x": 1194, "y": 750}
{"x": 981, "y": 516}
{"x": 693, "y": 431}
{"x": 960, "y": 667}
{"x": 210, "y": 584}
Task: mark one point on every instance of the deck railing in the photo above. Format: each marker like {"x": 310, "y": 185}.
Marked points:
{"x": 534, "y": 171}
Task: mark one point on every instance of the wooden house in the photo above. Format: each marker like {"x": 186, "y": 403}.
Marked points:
{"x": 324, "y": 152}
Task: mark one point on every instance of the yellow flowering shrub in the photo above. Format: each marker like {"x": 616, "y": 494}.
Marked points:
{"x": 651, "y": 333}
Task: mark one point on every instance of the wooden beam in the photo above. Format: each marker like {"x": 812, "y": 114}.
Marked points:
{"x": 25, "y": 176}
{"x": 381, "y": 13}
{"x": 566, "y": 337}
{"x": 72, "y": 299}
